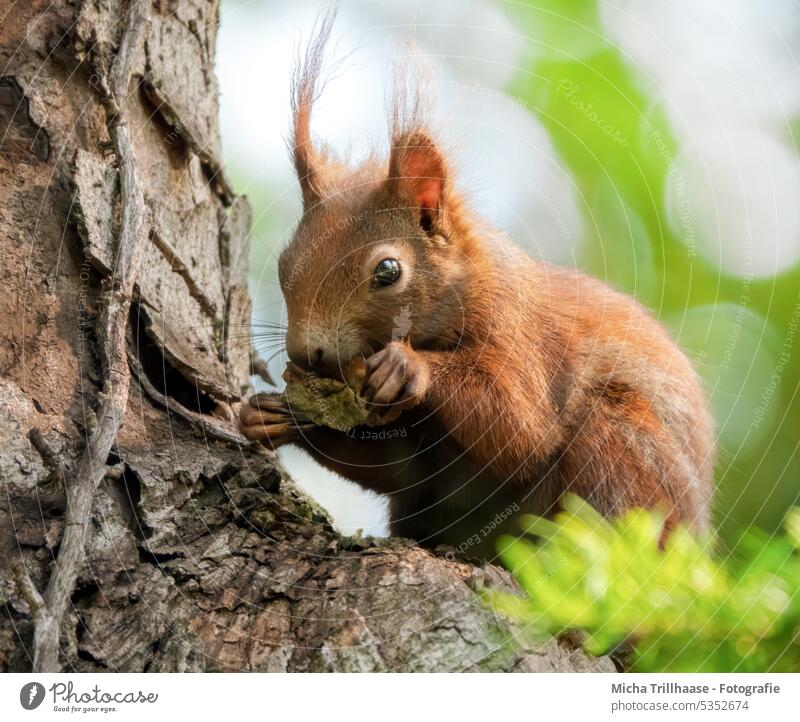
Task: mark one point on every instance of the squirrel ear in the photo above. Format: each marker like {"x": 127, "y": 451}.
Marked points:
{"x": 417, "y": 168}
{"x": 307, "y": 161}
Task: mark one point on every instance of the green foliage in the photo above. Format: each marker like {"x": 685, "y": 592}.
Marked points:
{"x": 610, "y": 127}
{"x": 685, "y": 609}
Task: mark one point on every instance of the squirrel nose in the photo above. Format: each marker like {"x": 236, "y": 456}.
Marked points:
{"x": 309, "y": 358}
{"x": 315, "y": 357}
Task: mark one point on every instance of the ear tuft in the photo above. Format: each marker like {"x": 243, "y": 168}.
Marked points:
{"x": 307, "y": 161}
{"x": 418, "y": 169}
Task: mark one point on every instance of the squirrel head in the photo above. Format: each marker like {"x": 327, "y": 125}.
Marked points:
{"x": 380, "y": 252}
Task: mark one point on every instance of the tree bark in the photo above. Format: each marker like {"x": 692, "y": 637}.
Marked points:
{"x": 123, "y": 266}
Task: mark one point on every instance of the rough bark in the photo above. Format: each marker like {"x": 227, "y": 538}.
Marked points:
{"x": 198, "y": 552}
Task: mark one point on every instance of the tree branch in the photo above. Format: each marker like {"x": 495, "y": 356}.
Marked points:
{"x": 50, "y": 457}
{"x": 114, "y": 397}
{"x": 28, "y": 589}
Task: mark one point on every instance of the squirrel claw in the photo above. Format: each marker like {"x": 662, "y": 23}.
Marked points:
{"x": 397, "y": 379}
{"x": 272, "y": 436}
{"x": 266, "y": 418}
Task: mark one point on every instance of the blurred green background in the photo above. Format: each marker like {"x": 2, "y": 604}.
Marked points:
{"x": 651, "y": 144}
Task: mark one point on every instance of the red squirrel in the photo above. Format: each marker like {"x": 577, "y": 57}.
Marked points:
{"x": 513, "y": 381}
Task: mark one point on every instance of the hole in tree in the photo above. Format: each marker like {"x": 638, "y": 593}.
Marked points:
{"x": 161, "y": 373}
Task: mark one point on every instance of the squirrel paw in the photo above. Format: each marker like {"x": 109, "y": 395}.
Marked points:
{"x": 397, "y": 379}
{"x": 267, "y": 418}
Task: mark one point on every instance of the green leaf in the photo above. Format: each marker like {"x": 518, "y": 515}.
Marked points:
{"x": 685, "y": 609}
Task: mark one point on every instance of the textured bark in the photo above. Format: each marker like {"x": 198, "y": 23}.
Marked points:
{"x": 200, "y": 553}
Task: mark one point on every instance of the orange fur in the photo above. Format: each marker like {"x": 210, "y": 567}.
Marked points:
{"x": 516, "y": 381}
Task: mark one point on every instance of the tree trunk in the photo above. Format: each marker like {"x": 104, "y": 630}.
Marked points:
{"x": 124, "y": 262}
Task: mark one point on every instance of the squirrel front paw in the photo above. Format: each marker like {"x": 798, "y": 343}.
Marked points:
{"x": 397, "y": 379}
{"x": 267, "y": 418}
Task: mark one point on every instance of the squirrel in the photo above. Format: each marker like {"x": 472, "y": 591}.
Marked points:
{"x": 512, "y": 381}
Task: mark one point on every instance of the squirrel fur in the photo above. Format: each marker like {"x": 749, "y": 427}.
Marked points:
{"x": 516, "y": 382}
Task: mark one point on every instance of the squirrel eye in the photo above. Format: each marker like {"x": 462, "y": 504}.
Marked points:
{"x": 386, "y": 273}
